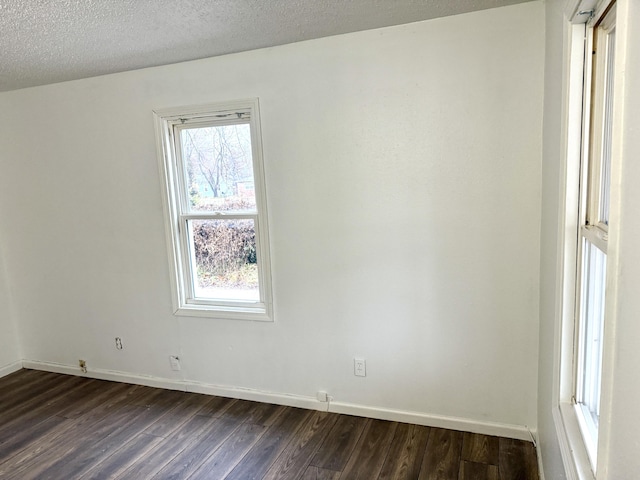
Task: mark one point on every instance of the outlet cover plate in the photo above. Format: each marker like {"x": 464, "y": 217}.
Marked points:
{"x": 174, "y": 360}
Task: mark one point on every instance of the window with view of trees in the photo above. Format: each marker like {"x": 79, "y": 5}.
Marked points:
{"x": 212, "y": 164}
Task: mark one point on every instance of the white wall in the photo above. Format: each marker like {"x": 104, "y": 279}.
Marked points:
{"x": 9, "y": 346}
{"x": 403, "y": 177}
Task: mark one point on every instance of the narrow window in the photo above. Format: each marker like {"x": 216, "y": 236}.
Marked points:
{"x": 211, "y": 159}
{"x": 593, "y": 230}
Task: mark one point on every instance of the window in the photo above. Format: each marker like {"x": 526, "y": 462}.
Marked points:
{"x": 211, "y": 160}
{"x": 589, "y": 155}
{"x": 594, "y": 229}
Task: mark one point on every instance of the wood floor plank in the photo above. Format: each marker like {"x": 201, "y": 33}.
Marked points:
{"x": 216, "y": 406}
{"x": 478, "y": 471}
{"x": 405, "y": 456}
{"x": 442, "y": 456}
{"x": 46, "y": 460}
{"x": 123, "y": 458}
{"x": 80, "y": 461}
{"x": 480, "y": 448}
{"x": 50, "y": 389}
{"x": 253, "y": 412}
{"x": 259, "y": 459}
{"x": 10, "y": 382}
{"x": 89, "y": 425}
{"x": 370, "y": 451}
{"x": 168, "y": 449}
{"x": 77, "y": 462}
{"x": 27, "y": 387}
{"x": 264, "y": 414}
{"x": 295, "y": 459}
{"x": 32, "y": 379}
{"x": 517, "y": 460}
{"x": 335, "y": 451}
{"x": 77, "y": 442}
{"x": 104, "y": 390}
{"x": 157, "y": 405}
{"x": 24, "y": 437}
{"x": 157, "y": 398}
{"x": 315, "y": 473}
{"x": 70, "y": 393}
{"x": 225, "y": 459}
{"x": 187, "y": 406}
{"x": 191, "y": 458}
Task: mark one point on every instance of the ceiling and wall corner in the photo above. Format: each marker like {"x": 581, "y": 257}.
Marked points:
{"x": 49, "y": 42}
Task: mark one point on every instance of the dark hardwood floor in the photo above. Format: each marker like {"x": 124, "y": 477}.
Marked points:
{"x": 64, "y": 427}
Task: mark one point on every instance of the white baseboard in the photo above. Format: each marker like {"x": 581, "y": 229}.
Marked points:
{"x": 183, "y": 385}
{"x": 310, "y": 403}
{"x": 10, "y": 368}
{"x": 519, "y": 432}
{"x": 431, "y": 420}
{"x": 110, "y": 375}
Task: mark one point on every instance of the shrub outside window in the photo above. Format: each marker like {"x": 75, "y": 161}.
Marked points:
{"x": 211, "y": 161}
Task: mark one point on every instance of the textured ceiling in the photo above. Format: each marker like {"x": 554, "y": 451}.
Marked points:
{"x": 48, "y": 41}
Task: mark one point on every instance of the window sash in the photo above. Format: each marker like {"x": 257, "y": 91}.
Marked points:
{"x": 600, "y": 101}
{"x": 189, "y": 262}
{"x": 591, "y": 327}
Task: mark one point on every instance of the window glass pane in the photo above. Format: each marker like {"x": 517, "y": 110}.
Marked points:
{"x": 593, "y": 302}
{"x": 219, "y": 168}
{"x": 225, "y": 259}
{"x": 607, "y": 136}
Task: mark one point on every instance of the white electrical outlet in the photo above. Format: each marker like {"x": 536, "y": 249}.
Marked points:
{"x": 174, "y": 360}
{"x": 359, "y": 367}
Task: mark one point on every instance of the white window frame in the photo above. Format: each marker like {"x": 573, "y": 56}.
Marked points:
{"x": 581, "y": 220}
{"x": 168, "y": 123}
{"x": 594, "y": 228}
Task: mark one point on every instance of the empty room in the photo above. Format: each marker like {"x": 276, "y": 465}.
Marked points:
{"x": 365, "y": 239}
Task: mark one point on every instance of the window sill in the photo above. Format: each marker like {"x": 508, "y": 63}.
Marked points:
{"x": 258, "y": 314}
{"x": 574, "y": 451}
